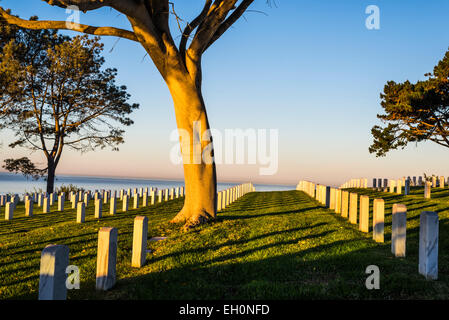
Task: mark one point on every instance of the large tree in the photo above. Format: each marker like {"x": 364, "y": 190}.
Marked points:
{"x": 414, "y": 112}
{"x": 180, "y": 67}
{"x": 54, "y": 95}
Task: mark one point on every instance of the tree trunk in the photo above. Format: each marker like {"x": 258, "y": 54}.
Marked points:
{"x": 51, "y": 176}
{"x": 199, "y": 175}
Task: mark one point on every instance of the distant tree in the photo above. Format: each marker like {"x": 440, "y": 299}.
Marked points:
{"x": 429, "y": 177}
{"x": 54, "y": 95}
{"x": 414, "y": 112}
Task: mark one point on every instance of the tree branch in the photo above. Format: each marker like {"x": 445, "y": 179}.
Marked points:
{"x": 230, "y": 21}
{"x": 206, "y": 30}
{"x": 159, "y": 14}
{"x": 123, "y": 6}
{"x": 83, "y": 5}
{"x": 62, "y": 25}
{"x": 192, "y": 26}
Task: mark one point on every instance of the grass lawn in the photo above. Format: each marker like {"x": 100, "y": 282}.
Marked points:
{"x": 267, "y": 245}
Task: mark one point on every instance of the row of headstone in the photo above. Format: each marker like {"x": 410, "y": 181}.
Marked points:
{"x": 43, "y": 200}
{"x": 29, "y": 201}
{"x": 357, "y": 210}
{"x": 9, "y": 200}
{"x": 228, "y": 196}
{"x": 138, "y": 201}
{"x": 383, "y": 184}
{"x": 307, "y": 187}
{"x": 395, "y": 186}
{"x": 437, "y": 182}
{"x": 355, "y": 183}
{"x": 11, "y": 205}
{"x": 80, "y": 201}
{"x": 85, "y": 196}
{"x": 4, "y": 199}
{"x": 55, "y": 260}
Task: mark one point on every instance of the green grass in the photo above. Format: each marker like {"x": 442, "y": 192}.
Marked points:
{"x": 267, "y": 245}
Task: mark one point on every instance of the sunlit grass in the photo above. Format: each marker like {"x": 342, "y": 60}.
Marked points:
{"x": 268, "y": 245}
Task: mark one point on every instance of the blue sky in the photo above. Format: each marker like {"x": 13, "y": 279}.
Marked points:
{"x": 308, "y": 68}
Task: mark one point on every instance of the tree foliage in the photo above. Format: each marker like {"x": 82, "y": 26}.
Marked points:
{"x": 414, "y": 112}
{"x": 54, "y": 94}
{"x": 25, "y": 166}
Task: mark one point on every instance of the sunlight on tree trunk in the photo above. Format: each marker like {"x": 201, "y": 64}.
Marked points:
{"x": 200, "y": 178}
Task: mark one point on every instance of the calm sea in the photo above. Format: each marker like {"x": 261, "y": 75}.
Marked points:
{"x": 17, "y": 184}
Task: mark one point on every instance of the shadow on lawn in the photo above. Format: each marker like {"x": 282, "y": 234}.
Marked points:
{"x": 273, "y": 265}
{"x": 325, "y": 271}
{"x": 286, "y": 276}
{"x": 254, "y": 216}
{"x": 238, "y": 242}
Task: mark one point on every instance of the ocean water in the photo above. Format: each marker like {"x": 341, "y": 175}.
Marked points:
{"x": 18, "y": 184}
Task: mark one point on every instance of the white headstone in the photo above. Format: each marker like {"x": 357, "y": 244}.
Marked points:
{"x": 378, "y": 220}
{"x": 9, "y": 210}
{"x": 81, "y": 212}
{"x": 428, "y": 245}
{"x": 52, "y": 278}
{"x": 113, "y": 206}
{"x": 136, "y": 201}
{"x": 140, "y": 236}
{"x": 399, "y": 230}
{"x": 61, "y": 200}
{"x": 106, "y": 258}
{"x": 98, "y": 208}
{"x": 29, "y": 208}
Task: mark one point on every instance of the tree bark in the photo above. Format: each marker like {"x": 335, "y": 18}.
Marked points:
{"x": 199, "y": 175}
{"x": 51, "y": 176}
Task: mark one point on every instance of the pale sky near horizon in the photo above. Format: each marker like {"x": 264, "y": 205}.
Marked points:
{"x": 310, "y": 69}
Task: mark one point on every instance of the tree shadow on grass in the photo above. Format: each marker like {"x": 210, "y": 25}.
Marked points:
{"x": 314, "y": 273}
{"x": 223, "y": 217}
{"x": 237, "y": 242}
{"x": 326, "y": 259}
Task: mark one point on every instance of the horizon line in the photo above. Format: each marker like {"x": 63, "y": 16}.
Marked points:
{"x": 147, "y": 178}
